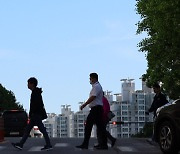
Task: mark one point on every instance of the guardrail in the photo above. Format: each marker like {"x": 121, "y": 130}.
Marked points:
{"x": 1, "y": 129}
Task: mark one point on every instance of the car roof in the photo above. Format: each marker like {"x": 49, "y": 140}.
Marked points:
{"x": 176, "y": 101}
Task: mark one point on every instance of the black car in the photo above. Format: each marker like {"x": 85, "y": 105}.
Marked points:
{"x": 15, "y": 122}
{"x": 167, "y": 128}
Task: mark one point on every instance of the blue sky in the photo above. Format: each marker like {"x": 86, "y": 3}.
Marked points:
{"x": 61, "y": 42}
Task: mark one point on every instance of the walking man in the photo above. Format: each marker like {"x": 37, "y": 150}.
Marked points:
{"x": 96, "y": 114}
{"x": 37, "y": 113}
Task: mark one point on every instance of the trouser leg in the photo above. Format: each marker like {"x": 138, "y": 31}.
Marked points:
{"x": 109, "y": 136}
{"x": 101, "y": 126}
{"x": 102, "y": 136}
{"x": 95, "y": 117}
{"x": 88, "y": 129}
{"x": 98, "y": 136}
{"x": 43, "y": 131}
{"x": 27, "y": 132}
{"x": 153, "y": 131}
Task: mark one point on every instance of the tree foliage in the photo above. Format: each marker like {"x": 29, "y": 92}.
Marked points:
{"x": 147, "y": 131}
{"x": 8, "y": 100}
{"x": 160, "y": 19}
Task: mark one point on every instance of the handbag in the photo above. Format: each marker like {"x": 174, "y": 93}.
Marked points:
{"x": 110, "y": 115}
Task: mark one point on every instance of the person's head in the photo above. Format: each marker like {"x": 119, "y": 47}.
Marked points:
{"x": 32, "y": 83}
{"x": 93, "y": 78}
{"x": 156, "y": 88}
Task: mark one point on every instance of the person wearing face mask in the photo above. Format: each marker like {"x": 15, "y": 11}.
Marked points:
{"x": 96, "y": 114}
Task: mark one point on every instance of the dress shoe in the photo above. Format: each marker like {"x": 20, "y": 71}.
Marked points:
{"x": 82, "y": 146}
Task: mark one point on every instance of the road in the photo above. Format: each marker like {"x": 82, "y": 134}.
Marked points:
{"x": 67, "y": 146}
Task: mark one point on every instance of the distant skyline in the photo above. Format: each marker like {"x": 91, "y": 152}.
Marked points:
{"x": 62, "y": 42}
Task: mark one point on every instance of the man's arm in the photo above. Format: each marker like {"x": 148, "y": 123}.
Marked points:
{"x": 88, "y": 102}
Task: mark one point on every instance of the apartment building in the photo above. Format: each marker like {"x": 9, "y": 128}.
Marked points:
{"x": 129, "y": 106}
{"x": 51, "y": 124}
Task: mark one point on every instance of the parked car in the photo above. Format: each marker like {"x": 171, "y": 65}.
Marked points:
{"x": 15, "y": 122}
{"x": 167, "y": 127}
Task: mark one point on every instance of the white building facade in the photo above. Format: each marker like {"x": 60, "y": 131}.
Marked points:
{"x": 129, "y": 107}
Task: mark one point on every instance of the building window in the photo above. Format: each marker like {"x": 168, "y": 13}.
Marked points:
{"x": 81, "y": 130}
{"x": 136, "y": 118}
{"x": 81, "y": 125}
{"x": 141, "y": 107}
{"x": 140, "y": 96}
{"x": 124, "y": 118}
{"x": 141, "y": 118}
{"x": 124, "y": 113}
{"x": 124, "y": 107}
{"x": 118, "y": 118}
{"x": 141, "y": 101}
{"x": 125, "y": 129}
{"x": 141, "y": 112}
{"x": 81, "y": 121}
{"x": 118, "y": 113}
{"x": 125, "y": 135}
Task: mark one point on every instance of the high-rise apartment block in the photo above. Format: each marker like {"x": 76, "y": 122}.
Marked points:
{"x": 129, "y": 107}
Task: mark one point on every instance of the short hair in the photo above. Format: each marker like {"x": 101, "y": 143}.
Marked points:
{"x": 33, "y": 80}
{"x": 156, "y": 85}
{"x": 94, "y": 75}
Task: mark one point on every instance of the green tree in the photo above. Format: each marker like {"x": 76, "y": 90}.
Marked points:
{"x": 160, "y": 19}
{"x": 8, "y": 100}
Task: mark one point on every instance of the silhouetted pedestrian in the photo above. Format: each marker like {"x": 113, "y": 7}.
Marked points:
{"x": 96, "y": 114}
{"x": 159, "y": 100}
{"x": 37, "y": 113}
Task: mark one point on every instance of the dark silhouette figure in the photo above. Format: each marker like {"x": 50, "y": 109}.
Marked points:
{"x": 37, "y": 113}
{"x": 96, "y": 114}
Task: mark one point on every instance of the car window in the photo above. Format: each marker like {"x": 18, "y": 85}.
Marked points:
{"x": 18, "y": 114}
